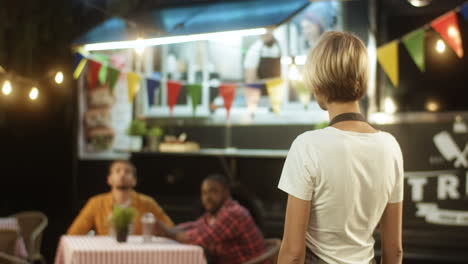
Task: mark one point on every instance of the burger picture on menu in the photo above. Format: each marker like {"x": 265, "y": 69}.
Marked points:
{"x": 99, "y": 134}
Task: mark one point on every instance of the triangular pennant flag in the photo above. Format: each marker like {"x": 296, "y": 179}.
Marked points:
{"x": 112, "y": 77}
{"x": 464, "y": 11}
{"x": 82, "y": 51}
{"x": 447, "y": 27}
{"x": 252, "y": 97}
{"x": 93, "y": 71}
{"x": 195, "y": 92}
{"x": 151, "y": 86}
{"x": 387, "y": 56}
{"x": 79, "y": 68}
{"x": 103, "y": 74}
{"x": 77, "y": 57}
{"x": 173, "y": 90}
{"x": 133, "y": 82}
{"x": 104, "y": 60}
{"x": 414, "y": 43}
{"x": 303, "y": 92}
{"x": 275, "y": 92}
{"x": 256, "y": 85}
{"x": 227, "y": 91}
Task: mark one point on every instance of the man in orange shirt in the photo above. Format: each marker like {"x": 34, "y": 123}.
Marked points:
{"x": 96, "y": 213}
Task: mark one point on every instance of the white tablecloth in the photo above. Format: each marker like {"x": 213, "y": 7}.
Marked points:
{"x": 106, "y": 250}
{"x": 12, "y": 223}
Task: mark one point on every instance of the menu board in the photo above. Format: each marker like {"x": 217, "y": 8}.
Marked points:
{"x": 104, "y": 114}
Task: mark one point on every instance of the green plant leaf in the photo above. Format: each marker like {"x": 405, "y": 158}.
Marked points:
{"x": 122, "y": 217}
{"x": 155, "y": 131}
{"x": 137, "y": 128}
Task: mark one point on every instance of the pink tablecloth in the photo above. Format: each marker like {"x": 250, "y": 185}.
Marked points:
{"x": 106, "y": 250}
{"x": 12, "y": 223}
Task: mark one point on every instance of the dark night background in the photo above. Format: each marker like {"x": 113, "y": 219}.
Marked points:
{"x": 37, "y": 138}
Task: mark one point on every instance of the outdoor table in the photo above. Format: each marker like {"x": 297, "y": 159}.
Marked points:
{"x": 106, "y": 250}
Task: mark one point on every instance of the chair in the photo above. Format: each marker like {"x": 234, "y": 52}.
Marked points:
{"x": 9, "y": 259}
{"x": 32, "y": 225}
{"x": 8, "y": 238}
{"x": 272, "y": 248}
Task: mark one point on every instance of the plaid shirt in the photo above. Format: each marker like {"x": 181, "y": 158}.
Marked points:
{"x": 231, "y": 237}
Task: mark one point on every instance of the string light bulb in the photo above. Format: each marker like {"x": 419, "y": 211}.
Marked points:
{"x": 440, "y": 46}
{"x": 59, "y": 77}
{"x": 34, "y": 93}
{"x": 419, "y": 3}
{"x": 432, "y": 106}
{"x": 6, "y": 89}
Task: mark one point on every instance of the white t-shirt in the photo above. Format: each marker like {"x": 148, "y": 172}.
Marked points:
{"x": 349, "y": 177}
{"x": 260, "y": 50}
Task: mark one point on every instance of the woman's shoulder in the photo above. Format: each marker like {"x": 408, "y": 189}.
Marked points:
{"x": 312, "y": 136}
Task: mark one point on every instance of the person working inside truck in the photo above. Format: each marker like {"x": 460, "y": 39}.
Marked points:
{"x": 344, "y": 180}
{"x": 262, "y": 61}
{"x": 226, "y": 231}
{"x": 96, "y": 213}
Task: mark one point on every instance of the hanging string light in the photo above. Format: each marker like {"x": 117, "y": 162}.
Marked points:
{"x": 440, "y": 46}
{"x": 59, "y": 77}
{"x": 6, "y": 89}
{"x": 432, "y": 106}
{"x": 419, "y": 3}
{"x": 33, "y": 94}
{"x": 12, "y": 79}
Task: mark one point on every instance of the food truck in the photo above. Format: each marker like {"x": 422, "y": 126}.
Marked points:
{"x": 223, "y": 81}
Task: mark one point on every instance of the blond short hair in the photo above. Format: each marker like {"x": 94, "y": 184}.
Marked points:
{"x": 337, "y": 68}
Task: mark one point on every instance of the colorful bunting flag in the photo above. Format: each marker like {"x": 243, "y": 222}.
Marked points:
{"x": 387, "y": 56}
{"x": 112, "y": 77}
{"x": 464, "y": 11}
{"x": 227, "y": 92}
{"x": 303, "y": 92}
{"x": 151, "y": 87}
{"x": 103, "y": 74}
{"x": 252, "y": 97}
{"x": 195, "y": 92}
{"x": 447, "y": 27}
{"x": 173, "y": 90}
{"x": 104, "y": 60}
{"x": 275, "y": 89}
{"x": 133, "y": 82}
{"x": 93, "y": 72}
{"x": 79, "y": 68}
{"x": 77, "y": 57}
{"x": 256, "y": 85}
{"x": 414, "y": 43}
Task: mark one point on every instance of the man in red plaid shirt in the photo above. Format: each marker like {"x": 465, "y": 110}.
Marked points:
{"x": 226, "y": 231}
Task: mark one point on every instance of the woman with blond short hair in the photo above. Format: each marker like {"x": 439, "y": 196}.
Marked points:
{"x": 344, "y": 180}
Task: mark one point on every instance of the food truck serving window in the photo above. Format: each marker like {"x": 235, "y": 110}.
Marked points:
{"x": 248, "y": 62}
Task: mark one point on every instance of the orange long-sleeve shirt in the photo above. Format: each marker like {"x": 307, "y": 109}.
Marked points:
{"x": 95, "y": 214}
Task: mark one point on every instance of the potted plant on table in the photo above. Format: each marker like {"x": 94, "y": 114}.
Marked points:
{"x": 154, "y": 137}
{"x": 136, "y": 131}
{"x": 121, "y": 219}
